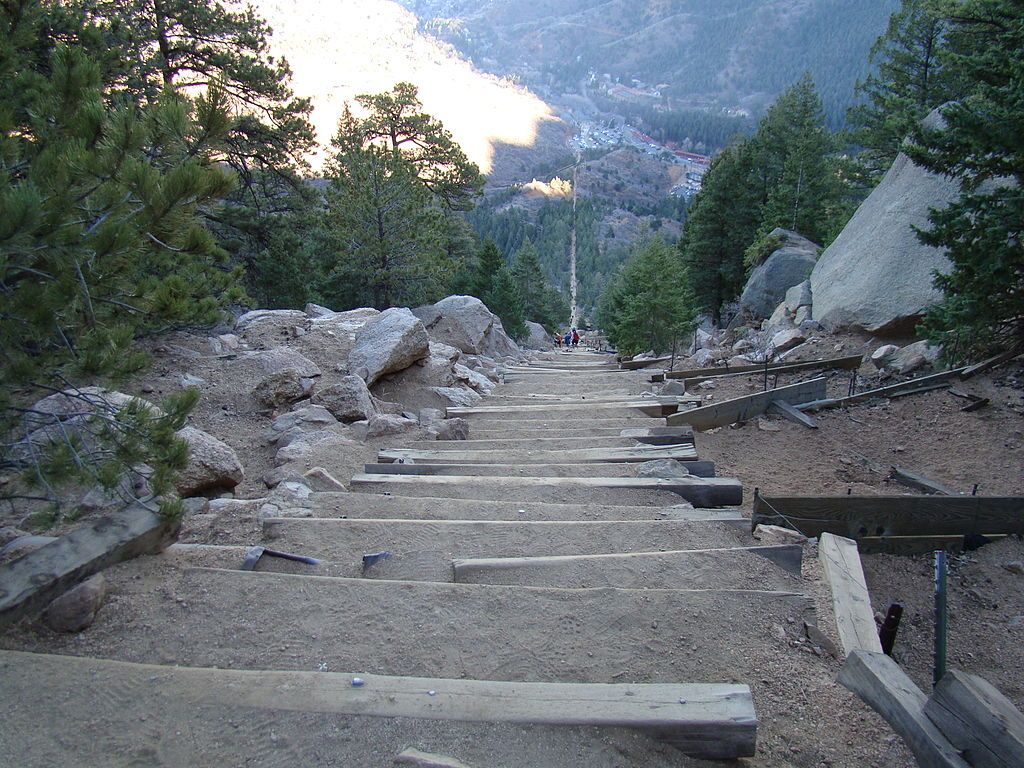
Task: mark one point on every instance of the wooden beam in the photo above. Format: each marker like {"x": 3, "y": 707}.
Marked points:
{"x": 700, "y": 719}
{"x": 791, "y": 413}
{"x": 992, "y": 362}
{"x": 978, "y": 720}
{"x": 925, "y": 383}
{"x": 887, "y": 689}
{"x": 580, "y": 456}
{"x": 652, "y": 406}
{"x": 852, "y": 362}
{"x": 566, "y": 469}
{"x": 915, "y": 545}
{"x": 743, "y": 408}
{"x": 860, "y": 516}
{"x": 919, "y": 482}
{"x": 850, "y": 601}
{"x": 636, "y": 365}
{"x": 30, "y": 583}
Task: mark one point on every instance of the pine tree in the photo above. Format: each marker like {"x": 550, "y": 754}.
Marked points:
{"x": 531, "y": 283}
{"x": 503, "y": 300}
{"x": 982, "y": 146}
{"x": 490, "y": 263}
{"x": 100, "y": 241}
{"x": 909, "y": 81}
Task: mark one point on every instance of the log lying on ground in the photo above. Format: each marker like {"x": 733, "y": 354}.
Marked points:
{"x": 697, "y": 375}
{"x": 743, "y": 408}
{"x": 978, "y": 720}
{"x": 30, "y": 583}
{"x": 922, "y": 384}
{"x": 880, "y": 516}
{"x": 883, "y": 686}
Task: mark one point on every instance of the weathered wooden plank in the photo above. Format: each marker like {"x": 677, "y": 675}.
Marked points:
{"x": 743, "y": 408}
{"x": 531, "y": 443}
{"x": 579, "y": 456}
{"x": 912, "y": 545}
{"x": 700, "y": 719}
{"x": 30, "y": 583}
{"x": 791, "y": 413}
{"x": 704, "y": 492}
{"x": 562, "y": 469}
{"x": 978, "y": 720}
{"x": 992, "y": 362}
{"x": 860, "y": 516}
{"x": 636, "y": 365}
{"x": 919, "y": 482}
{"x": 851, "y": 362}
{"x": 883, "y": 686}
{"x": 653, "y": 406}
{"x": 850, "y": 601}
{"x": 923, "y": 382}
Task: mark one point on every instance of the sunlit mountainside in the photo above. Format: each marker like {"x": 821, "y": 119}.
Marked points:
{"x": 342, "y": 48}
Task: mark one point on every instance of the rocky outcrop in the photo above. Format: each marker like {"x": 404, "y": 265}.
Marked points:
{"x": 789, "y": 265}
{"x": 212, "y": 465}
{"x": 387, "y": 344}
{"x": 272, "y": 361}
{"x": 461, "y": 321}
{"x": 282, "y": 388}
{"x": 538, "y": 338}
{"x": 877, "y": 275}
{"x": 348, "y": 400}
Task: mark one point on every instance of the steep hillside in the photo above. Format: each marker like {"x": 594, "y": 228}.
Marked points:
{"x": 732, "y": 53}
{"x": 340, "y": 49}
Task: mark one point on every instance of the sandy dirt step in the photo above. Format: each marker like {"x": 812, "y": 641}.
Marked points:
{"x": 537, "y": 444}
{"x": 580, "y": 410}
{"x": 244, "y": 620}
{"x": 163, "y": 716}
{"x": 699, "y": 491}
{"x": 736, "y": 568}
{"x": 423, "y": 550}
{"x": 618, "y": 469}
{"x": 368, "y": 505}
{"x": 451, "y": 453}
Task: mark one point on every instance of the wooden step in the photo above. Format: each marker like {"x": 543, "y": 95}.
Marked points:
{"x": 132, "y": 707}
{"x": 649, "y": 406}
{"x": 618, "y": 469}
{"x": 244, "y": 620}
{"x": 450, "y": 453}
{"x": 543, "y": 444}
{"x": 424, "y": 550}
{"x": 701, "y": 492}
{"x": 734, "y": 568}
{"x": 371, "y": 506}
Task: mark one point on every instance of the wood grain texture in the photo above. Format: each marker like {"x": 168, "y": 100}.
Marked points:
{"x": 850, "y": 601}
{"x": 851, "y": 362}
{"x": 978, "y": 720}
{"x": 887, "y": 689}
{"x": 584, "y": 455}
{"x": 567, "y": 469}
{"x": 705, "y": 720}
{"x": 743, "y": 408}
{"x": 875, "y": 516}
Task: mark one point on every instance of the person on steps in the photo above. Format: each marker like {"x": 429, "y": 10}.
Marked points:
{"x": 575, "y": 337}
{"x": 567, "y": 339}
{"x": 558, "y": 340}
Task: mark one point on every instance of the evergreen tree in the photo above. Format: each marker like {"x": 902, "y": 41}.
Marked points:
{"x": 982, "y": 146}
{"x": 650, "y": 303}
{"x": 503, "y": 300}
{"x": 490, "y": 263}
{"x": 909, "y": 80}
{"x": 100, "y": 241}
{"x": 530, "y": 282}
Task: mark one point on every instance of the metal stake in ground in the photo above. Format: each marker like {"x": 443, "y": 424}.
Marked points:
{"x": 941, "y": 617}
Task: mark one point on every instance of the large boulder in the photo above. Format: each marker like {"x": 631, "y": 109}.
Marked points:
{"x": 538, "y": 338}
{"x": 877, "y": 275}
{"x": 388, "y": 343}
{"x": 212, "y": 465}
{"x": 789, "y": 265}
{"x": 348, "y": 400}
{"x": 499, "y": 344}
{"x": 461, "y": 321}
{"x": 273, "y": 361}
{"x": 270, "y": 327}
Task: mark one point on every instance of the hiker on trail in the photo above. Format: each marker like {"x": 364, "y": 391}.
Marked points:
{"x": 558, "y": 340}
{"x": 575, "y": 337}
{"x": 567, "y": 339}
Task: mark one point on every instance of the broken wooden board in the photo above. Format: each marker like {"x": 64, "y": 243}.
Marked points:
{"x": 924, "y": 383}
{"x": 791, "y": 413}
{"x": 919, "y": 482}
{"x": 775, "y": 567}
{"x": 701, "y": 492}
{"x": 30, "y": 583}
{"x": 850, "y": 601}
{"x": 700, "y": 719}
{"x": 637, "y": 454}
{"x": 887, "y": 689}
{"x": 743, "y": 408}
{"x": 852, "y": 363}
{"x": 561, "y": 469}
{"x": 978, "y": 720}
{"x": 860, "y": 516}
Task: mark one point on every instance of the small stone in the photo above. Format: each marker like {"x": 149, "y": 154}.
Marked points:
{"x": 663, "y": 468}
{"x": 358, "y": 682}
{"x": 673, "y": 389}
{"x": 768, "y": 426}
{"x": 76, "y": 609}
{"x": 707, "y": 385}
{"x": 1016, "y": 566}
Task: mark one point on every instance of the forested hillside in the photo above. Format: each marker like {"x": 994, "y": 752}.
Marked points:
{"x": 735, "y": 53}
